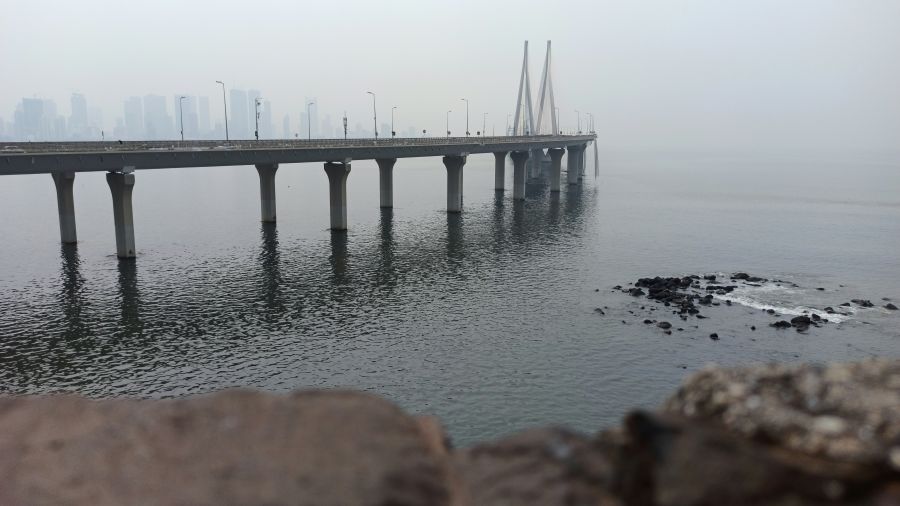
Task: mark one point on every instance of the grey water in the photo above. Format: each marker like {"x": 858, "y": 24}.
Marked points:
{"x": 486, "y": 319}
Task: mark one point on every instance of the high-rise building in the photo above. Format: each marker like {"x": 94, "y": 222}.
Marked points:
{"x": 266, "y": 128}
{"x": 134, "y": 118}
{"x": 78, "y": 120}
{"x": 286, "y": 126}
{"x": 238, "y": 122}
{"x": 187, "y": 107}
{"x": 157, "y": 122}
{"x": 252, "y": 110}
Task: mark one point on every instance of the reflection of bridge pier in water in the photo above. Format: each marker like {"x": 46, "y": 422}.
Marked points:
{"x": 71, "y": 296}
{"x": 270, "y": 268}
{"x": 129, "y": 299}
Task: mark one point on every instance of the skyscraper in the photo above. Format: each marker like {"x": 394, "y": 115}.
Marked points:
{"x": 238, "y": 122}
{"x": 157, "y": 122}
{"x": 78, "y": 120}
{"x": 286, "y": 126}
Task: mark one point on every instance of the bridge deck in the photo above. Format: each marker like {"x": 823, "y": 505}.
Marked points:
{"x": 47, "y": 157}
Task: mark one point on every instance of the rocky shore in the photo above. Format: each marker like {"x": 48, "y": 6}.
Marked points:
{"x": 773, "y": 435}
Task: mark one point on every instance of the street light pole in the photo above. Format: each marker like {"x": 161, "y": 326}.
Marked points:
{"x": 225, "y": 105}
{"x": 345, "y": 125}
{"x": 374, "y": 114}
{"x": 484, "y": 125}
{"x": 507, "y": 124}
{"x": 181, "y": 115}
{"x": 448, "y": 124}
{"x": 392, "y": 122}
{"x": 557, "y": 121}
{"x": 466, "y": 100}
{"x": 579, "y": 120}
{"x": 256, "y": 110}
{"x": 309, "y": 122}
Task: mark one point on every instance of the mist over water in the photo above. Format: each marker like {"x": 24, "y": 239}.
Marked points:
{"x": 486, "y": 319}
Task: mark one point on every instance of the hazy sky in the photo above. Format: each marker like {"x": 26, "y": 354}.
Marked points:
{"x": 656, "y": 73}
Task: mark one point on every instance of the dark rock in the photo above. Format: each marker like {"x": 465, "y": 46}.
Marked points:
{"x": 714, "y": 336}
{"x": 820, "y": 289}
{"x": 598, "y": 310}
{"x": 648, "y": 322}
{"x": 829, "y": 310}
{"x": 890, "y": 306}
{"x": 668, "y": 332}
{"x": 781, "y": 324}
{"x": 727, "y": 302}
{"x": 710, "y": 277}
{"x": 846, "y": 304}
{"x": 816, "y": 317}
{"x": 770, "y": 311}
{"x": 617, "y": 287}
{"x": 664, "y": 325}
{"x": 700, "y": 316}
{"x": 799, "y": 321}
{"x": 753, "y": 327}
{"x": 740, "y": 275}
{"x": 635, "y": 292}
{"x": 862, "y": 302}
{"x": 679, "y": 329}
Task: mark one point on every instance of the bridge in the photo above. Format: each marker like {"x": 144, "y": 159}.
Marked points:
{"x": 540, "y": 141}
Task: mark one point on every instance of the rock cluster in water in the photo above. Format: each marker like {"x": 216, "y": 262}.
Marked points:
{"x": 772, "y": 435}
{"x": 685, "y": 296}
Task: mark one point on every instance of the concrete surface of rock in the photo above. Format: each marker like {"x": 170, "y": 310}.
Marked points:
{"x": 849, "y": 412}
{"x": 236, "y": 447}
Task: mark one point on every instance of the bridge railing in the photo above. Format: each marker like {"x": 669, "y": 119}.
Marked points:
{"x": 245, "y": 144}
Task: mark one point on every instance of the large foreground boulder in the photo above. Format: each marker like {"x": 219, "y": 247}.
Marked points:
{"x": 236, "y": 447}
{"x": 771, "y": 435}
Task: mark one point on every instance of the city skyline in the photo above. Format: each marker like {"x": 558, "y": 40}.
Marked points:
{"x": 810, "y": 74}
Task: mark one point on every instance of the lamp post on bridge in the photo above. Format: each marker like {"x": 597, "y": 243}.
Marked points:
{"x": 393, "y": 133}
{"x": 309, "y": 122}
{"x": 557, "y": 121}
{"x": 256, "y": 102}
{"x": 466, "y": 100}
{"x": 345, "y": 125}
{"x": 484, "y": 125}
{"x": 448, "y": 124}
{"x": 590, "y": 122}
{"x": 181, "y": 115}
{"x": 579, "y": 120}
{"x": 374, "y": 114}
{"x": 225, "y": 105}
{"x": 507, "y": 124}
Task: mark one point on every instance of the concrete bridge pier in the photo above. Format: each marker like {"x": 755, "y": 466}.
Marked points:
{"x": 537, "y": 161}
{"x": 556, "y": 155}
{"x": 573, "y": 164}
{"x": 267, "y": 191}
{"x": 65, "y": 202}
{"x": 337, "y": 192}
{"x": 454, "y": 166}
{"x": 386, "y": 180}
{"x": 519, "y": 159}
{"x": 121, "y": 186}
{"x": 500, "y": 170}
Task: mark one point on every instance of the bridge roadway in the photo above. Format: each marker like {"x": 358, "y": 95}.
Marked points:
{"x": 121, "y": 159}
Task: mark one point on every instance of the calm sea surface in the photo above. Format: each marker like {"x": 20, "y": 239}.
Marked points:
{"x": 486, "y": 319}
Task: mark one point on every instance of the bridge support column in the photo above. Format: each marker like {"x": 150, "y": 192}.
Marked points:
{"x": 555, "y": 167}
{"x": 121, "y": 185}
{"x": 267, "y": 191}
{"x": 500, "y": 170}
{"x": 573, "y": 164}
{"x": 65, "y": 202}
{"x": 519, "y": 159}
{"x": 337, "y": 193}
{"x": 386, "y": 180}
{"x": 537, "y": 161}
{"x": 454, "y": 166}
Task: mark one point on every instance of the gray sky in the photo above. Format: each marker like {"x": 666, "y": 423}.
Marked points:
{"x": 741, "y": 74}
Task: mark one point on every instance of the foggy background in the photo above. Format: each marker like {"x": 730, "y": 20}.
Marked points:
{"x": 663, "y": 74}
